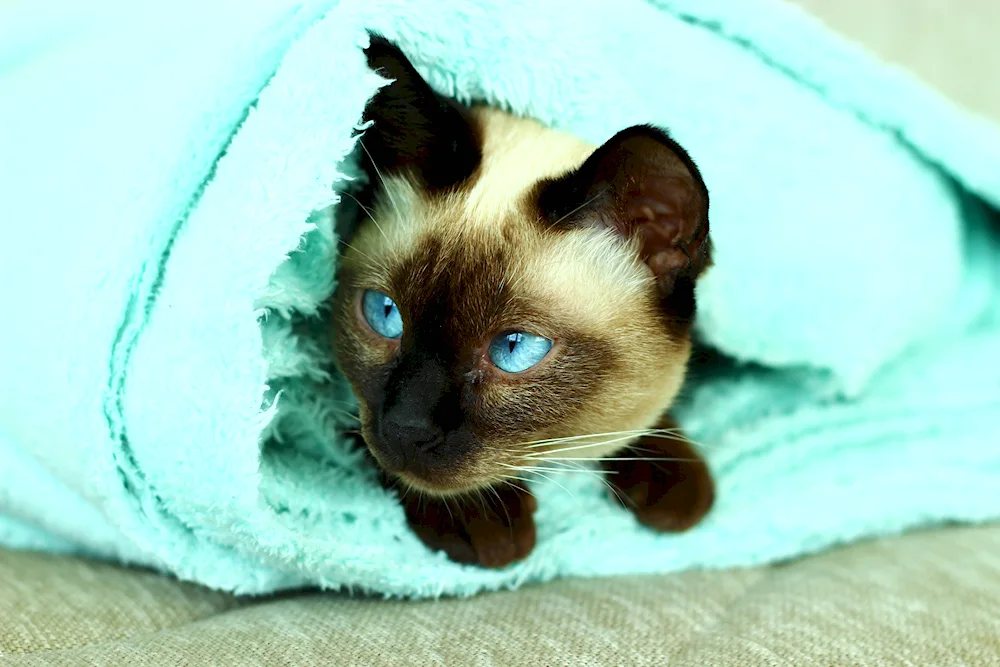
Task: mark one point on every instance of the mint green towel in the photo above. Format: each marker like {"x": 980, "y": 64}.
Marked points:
{"x": 169, "y": 176}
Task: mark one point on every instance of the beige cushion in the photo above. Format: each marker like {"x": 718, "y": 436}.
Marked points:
{"x": 925, "y": 599}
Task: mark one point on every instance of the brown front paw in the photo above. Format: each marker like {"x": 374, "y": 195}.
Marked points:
{"x": 664, "y": 481}
{"x": 492, "y": 528}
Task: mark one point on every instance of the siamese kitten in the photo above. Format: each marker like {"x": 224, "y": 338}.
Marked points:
{"x": 516, "y": 299}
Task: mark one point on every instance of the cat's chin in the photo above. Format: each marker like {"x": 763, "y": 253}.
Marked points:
{"x": 450, "y": 486}
{"x": 431, "y": 476}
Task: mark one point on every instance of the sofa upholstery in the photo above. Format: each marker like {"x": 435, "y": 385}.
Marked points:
{"x": 930, "y": 598}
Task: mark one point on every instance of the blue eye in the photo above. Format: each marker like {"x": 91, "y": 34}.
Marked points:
{"x": 517, "y": 351}
{"x": 382, "y": 314}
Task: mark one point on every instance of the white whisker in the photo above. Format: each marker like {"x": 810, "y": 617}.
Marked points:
{"x": 678, "y": 437}
{"x": 581, "y": 206}
{"x": 570, "y": 438}
{"x": 618, "y": 458}
{"x": 363, "y": 254}
{"x": 345, "y": 413}
{"x": 589, "y": 445}
{"x": 531, "y": 468}
{"x": 385, "y": 187}
{"x": 364, "y": 208}
{"x": 551, "y": 480}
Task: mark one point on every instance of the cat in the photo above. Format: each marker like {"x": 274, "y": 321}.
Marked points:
{"x": 513, "y": 301}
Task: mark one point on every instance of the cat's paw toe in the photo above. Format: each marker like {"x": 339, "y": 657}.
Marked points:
{"x": 498, "y": 544}
{"x": 491, "y": 529}
{"x": 664, "y": 483}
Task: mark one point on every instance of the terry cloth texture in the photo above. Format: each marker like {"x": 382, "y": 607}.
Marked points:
{"x": 170, "y": 181}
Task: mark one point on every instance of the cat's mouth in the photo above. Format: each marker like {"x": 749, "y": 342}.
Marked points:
{"x": 445, "y": 466}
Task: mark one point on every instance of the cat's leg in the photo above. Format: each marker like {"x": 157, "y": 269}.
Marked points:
{"x": 492, "y": 527}
{"x": 663, "y": 480}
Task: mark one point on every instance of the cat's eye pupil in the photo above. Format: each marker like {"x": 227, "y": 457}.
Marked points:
{"x": 382, "y": 314}
{"x": 517, "y": 351}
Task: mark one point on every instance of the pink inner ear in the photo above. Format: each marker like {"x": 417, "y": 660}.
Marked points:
{"x": 663, "y": 212}
{"x": 645, "y": 187}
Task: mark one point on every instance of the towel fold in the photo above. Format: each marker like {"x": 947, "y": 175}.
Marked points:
{"x": 170, "y": 189}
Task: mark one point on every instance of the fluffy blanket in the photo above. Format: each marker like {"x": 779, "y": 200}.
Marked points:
{"x": 170, "y": 176}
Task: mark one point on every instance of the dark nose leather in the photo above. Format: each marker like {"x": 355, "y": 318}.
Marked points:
{"x": 404, "y": 438}
{"x": 418, "y": 412}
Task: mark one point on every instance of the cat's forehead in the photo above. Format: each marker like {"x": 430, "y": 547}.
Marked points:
{"x": 482, "y": 253}
{"x": 516, "y": 155}
{"x": 501, "y": 266}
{"x": 464, "y": 292}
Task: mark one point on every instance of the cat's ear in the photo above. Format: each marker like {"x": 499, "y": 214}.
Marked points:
{"x": 644, "y": 186}
{"x": 414, "y": 128}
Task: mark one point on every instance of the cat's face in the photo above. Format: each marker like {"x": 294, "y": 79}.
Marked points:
{"x": 512, "y": 286}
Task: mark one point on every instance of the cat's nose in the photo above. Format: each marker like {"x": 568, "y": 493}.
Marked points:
{"x": 406, "y": 438}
